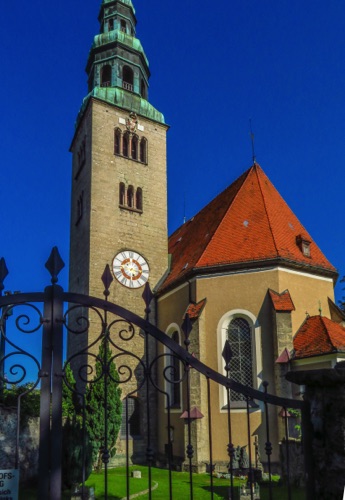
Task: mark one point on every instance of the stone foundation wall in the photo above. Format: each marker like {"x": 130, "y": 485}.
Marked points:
{"x": 28, "y": 444}
{"x": 325, "y": 431}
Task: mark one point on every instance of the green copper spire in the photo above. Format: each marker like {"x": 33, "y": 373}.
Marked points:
{"x": 117, "y": 67}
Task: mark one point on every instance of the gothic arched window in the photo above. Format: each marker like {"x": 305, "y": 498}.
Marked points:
{"x": 130, "y": 197}
{"x": 127, "y": 78}
{"x": 106, "y": 76}
{"x": 143, "y": 89}
{"x": 122, "y": 194}
{"x": 134, "y": 151}
{"x": 143, "y": 150}
{"x": 125, "y": 145}
{"x": 139, "y": 199}
{"x": 241, "y": 365}
{"x": 117, "y": 142}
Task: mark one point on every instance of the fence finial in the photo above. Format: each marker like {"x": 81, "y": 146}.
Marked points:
{"x": 3, "y": 274}
{"x": 54, "y": 264}
{"x": 227, "y": 355}
{"x": 107, "y": 280}
{"x": 147, "y": 296}
{"x": 187, "y": 328}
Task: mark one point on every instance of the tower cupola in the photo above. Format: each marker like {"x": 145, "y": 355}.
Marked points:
{"x": 117, "y": 58}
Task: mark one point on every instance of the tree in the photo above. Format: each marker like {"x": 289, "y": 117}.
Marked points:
{"x": 105, "y": 382}
{"x": 75, "y": 443}
{"x": 29, "y": 402}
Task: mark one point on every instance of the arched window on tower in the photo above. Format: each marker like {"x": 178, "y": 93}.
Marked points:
{"x": 134, "y": 151}
{"x": 143, "y": 150}
{"x": 122, "y": 194}
{"x": 117, "y": 141}
{"x": 106, "y": 76}
{"x": 130, "y": 197}
{"x": 125, "y": 144}
{"x": 241, "y": 365}
{"x": 127, "y": 78}
{"x": 110, "y": 24}
{"x": 123, "y": 26}
{"x": 139, "y": 199}
{"x": 143, "y": 89}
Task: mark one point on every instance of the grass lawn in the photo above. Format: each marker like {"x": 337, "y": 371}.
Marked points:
{"x": 160, "y": 477}
{"x": 180, "y": 486}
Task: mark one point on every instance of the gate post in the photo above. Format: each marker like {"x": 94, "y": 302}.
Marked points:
{"x": 50, "y": 445}
{"x": 325, "y": 396}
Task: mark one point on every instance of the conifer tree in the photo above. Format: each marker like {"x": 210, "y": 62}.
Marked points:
{"x": 103, "y": 387}
{"x": 75, "y": 445}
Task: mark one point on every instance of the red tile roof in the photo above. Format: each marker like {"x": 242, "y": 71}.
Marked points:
{"x": 194, "y": 310}
{"x": 283, "y": 358}
{"x": 247, "y": 223}
{"x": 318, "y": 335}
{"x": 281, "y": 301}
{"x": 194, "y": 413}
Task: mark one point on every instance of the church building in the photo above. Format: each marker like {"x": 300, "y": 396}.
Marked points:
{"x": 244, "y": 268}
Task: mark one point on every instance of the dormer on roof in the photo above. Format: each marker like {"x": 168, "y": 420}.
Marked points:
{"x": 303, "y": 243}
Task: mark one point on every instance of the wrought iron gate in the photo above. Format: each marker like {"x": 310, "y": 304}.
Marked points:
{"x": 59, "y": 314}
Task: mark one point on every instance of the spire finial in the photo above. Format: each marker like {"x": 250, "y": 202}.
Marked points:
{"x": 252, "y": 139}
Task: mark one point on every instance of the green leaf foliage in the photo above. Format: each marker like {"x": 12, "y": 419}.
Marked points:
{"x": 76, "y": 450}
{"x": 29, "y": 400}
{"x": 70, "y": 401}
{"x": 103, "y": 407}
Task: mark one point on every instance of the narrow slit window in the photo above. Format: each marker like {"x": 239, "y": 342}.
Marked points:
{"x": 125, "y": 141}
{"x": 122, "y": 194}
{"x": 130, "y": 196}
{"x": 134, "y": 147}
{"x": 139, "y": 199}
{"x": 143, "y": 150}
{"x": 117, "y": 146}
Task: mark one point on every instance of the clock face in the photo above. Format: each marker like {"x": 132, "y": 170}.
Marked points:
{"x": 130, "y": 269}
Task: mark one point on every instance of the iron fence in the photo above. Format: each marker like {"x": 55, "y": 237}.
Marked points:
{"x": 147, "y": 382}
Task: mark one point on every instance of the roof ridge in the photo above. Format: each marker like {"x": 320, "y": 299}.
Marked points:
{"x": 265, "y": 205}
{"x": 245, "y": 177}
{"x": 327, "y": 332}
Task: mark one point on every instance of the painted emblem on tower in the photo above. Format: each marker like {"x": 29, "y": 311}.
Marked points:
{"x": 132, "y": 122}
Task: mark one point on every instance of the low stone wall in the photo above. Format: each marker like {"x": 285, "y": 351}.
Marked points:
{"x": 28, "y": 444}
{"x": 325, "y": 433}
{"x": 296, "y": 462}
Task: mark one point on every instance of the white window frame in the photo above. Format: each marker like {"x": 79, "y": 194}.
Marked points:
{"x": 223, "y": 325}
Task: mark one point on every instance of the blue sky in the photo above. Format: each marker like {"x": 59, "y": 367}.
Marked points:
{"x": 214, "y": 66}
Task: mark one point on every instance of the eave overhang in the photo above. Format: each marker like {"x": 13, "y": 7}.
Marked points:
{"x": 257, "y": 265}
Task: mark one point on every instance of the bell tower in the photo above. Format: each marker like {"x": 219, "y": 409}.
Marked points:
{"x": 119, "y": 193}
